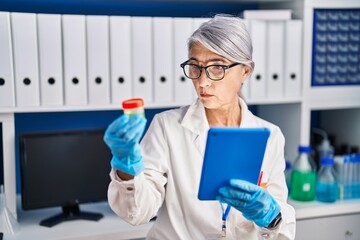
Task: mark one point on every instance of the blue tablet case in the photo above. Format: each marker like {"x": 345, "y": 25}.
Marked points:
{"x": 231, "y": 153}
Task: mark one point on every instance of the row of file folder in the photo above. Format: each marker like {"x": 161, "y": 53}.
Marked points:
{"x": 76, "y": 60}
{"x": 277, "y": 53}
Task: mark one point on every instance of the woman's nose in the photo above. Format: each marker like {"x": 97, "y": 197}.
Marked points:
{"x": 204, "y": 80}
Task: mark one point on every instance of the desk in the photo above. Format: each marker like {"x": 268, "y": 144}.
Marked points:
{"x": 339, "y": 220}
{"x": 110, "y": 227}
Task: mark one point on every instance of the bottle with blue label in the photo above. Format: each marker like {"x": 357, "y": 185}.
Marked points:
{"x": 303, "y": 176}
{"x": 327, "y": 189}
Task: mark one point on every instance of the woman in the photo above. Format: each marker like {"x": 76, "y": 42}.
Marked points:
{"x": 161, "y": 177}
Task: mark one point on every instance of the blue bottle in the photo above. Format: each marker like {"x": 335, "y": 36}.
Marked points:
{"x": 327, "y": 185}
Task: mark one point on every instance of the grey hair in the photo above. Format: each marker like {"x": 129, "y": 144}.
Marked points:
{"x": 225, "y": 35}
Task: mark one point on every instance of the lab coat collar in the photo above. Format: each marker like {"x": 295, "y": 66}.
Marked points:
{"x": 246, "y": 116}
{"x": 195, "y": 118}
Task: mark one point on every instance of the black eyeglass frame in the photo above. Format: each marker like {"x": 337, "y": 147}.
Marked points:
{"x": 225, "y": 67}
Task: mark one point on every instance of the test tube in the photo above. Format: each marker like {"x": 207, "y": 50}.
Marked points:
{"x": 354, "y": 182}
{"x": 352, "y": 175}
{"x": 133, "y": 106}
{"x": 347, "y": 177}
{"x": 357, "y": 188}
{"x": 340, "y": 170}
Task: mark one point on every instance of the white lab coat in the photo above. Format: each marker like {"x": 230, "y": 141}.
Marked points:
{"x": 173, "y": 150}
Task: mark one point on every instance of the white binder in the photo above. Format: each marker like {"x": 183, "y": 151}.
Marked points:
{"x": 183, "y": 87}
{"x": 25, "y": 50}
{"x": 197, "y": 22}
{"x": 121, "y": 58}
{"x": 163, "y": 59}
{"x": 7, "y": 88}
{"x": 257, "y": 80}
{"x": 273, "y": 14}
{"x": 50, "y": 59}
{"x": 275, "y": 58}
{"x": 97, "y": 30}
{"x": 142, "y": 57}
{"x": 293, "y": 58}
{"x": 74, "y": 49}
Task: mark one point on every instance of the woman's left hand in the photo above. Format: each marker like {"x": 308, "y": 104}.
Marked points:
{"x": 255, "y": 203}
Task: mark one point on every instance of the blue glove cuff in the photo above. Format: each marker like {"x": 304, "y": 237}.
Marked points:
{"x": 267, "y": 217}
{"x": 128, "y": 165}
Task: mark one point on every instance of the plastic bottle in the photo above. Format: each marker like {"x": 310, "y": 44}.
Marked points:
{"x": 327, "y": 185}
{"x": 324, "y": 148}
{"x": 303, "y": 176}
{"x": 288, "y": 170}
{"x": 133, "y": 106}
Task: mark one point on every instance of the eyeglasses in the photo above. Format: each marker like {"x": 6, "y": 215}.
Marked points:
{"x": 214, "y": 72}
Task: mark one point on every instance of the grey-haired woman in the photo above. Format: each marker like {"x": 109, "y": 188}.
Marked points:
{"x": 160, "y": 176}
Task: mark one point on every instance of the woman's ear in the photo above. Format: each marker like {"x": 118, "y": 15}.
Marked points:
{"x": 246, "y": 72}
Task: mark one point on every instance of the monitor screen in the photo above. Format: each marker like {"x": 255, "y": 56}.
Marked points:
{"x": 63, "y": 168}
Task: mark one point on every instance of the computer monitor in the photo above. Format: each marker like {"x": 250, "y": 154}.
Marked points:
{"x": 64, "y": 168}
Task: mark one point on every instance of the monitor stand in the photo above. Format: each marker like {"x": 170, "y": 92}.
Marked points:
{"x": 70, "y": 212}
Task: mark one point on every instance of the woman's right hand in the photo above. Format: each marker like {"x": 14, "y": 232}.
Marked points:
{"x": 122, "y": 137}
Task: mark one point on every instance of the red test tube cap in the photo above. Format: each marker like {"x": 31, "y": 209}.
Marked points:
{"x": 133, "y": 103}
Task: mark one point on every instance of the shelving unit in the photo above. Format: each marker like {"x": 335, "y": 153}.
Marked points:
{"x": 339, "y": 220}
{"x": 327, "y": 97}
{"x": 293, "y": 115}
{"x": 329, "y": 220}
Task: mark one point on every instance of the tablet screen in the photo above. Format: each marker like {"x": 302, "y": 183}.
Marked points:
{"x": 231, "y": 153}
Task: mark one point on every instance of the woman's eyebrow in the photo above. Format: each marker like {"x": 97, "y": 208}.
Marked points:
{"x": 193, "y": 59}
{"x": 211, "y": 60}
{"x": 217, "y": 60}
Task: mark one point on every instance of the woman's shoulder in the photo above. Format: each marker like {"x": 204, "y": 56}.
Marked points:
{"x": 172, "y": 114}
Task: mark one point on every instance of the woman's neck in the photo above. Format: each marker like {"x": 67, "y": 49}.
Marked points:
{"x": 224, "y": 117}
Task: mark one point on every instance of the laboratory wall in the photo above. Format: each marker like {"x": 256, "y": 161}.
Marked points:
{"x": 132, "y": 8}
{"x": 42, "y": 122}
{"x": 47, "y": 121}
{"x": 344, "y": 126}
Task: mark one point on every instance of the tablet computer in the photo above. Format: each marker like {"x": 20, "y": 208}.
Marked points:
{"x": 231, "y": 153}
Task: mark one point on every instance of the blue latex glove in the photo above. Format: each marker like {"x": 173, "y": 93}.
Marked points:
{"x": 255, "y": 203}
{"x": 122, "y": 137}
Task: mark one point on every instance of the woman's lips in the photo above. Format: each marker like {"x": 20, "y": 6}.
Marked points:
{"x": 205, "y": 95}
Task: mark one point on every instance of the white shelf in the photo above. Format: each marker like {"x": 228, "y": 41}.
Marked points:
{"x": 83, "y": 108}
{"x": 315, "y": 209}
{"x": 110, "y": 227}
{"x": 332, "y": 4}
{"x": 274, "y": 101}
{"x": 118, "y": 106}
{"x": 332, "y": 97}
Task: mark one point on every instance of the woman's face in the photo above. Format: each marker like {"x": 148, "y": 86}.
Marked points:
{"x": 222, "y": 93}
